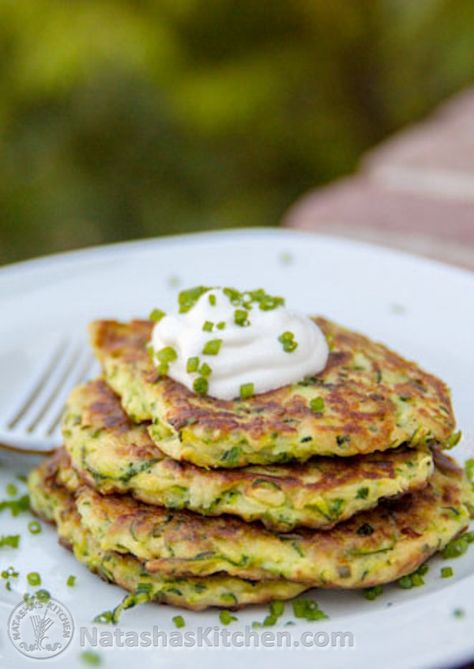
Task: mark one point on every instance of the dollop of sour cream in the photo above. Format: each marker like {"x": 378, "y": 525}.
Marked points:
{"x": 228, "y": 344}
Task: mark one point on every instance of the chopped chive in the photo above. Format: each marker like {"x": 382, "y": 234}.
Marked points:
{"x": 373, "y": 593}
{"x": 34, "y": 527}
{"x": 200, "y": 385}
{"x": 447, "y": 572}
{"x": 212, "y": 300}
{"x": 246, "y": 390}
{"x": 241, "y": 317}
{"x": 453, "y": 440}
{"x": 42, "y": 596}
{"x": 205, "y": 370}
{"x": 179, "y": 620}
{"x": 287, "y": 339}
{"x": 455, "y": 548}
{"x": 33, "y": 578}
{"x": 188, "y": 298}
{"x": 207, "y": 326}
{"x": 308, "y": 609}
{"x": 317, "y": 405}
{"x": 156, "y": 315}
{"x": 91, "y": 658}
{"x": 212, "y": 347}
{"x": 16, "y": 506}
{"x": 10, "y": 541}
{"x": 166, "y": 354}
{"x": 11, "y": 489}
{"x": 226, "y": 617}
{"x": 405, "y": 582}
{"x": 221, "y": 325}
{"x": 71, "y": 581}
{"x": 192, "y": 364}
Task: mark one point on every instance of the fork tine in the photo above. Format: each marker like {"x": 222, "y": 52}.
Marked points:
{"x": 42, "y": 400}
{"x": 78, "y": 374}
{"x": 33, "y": 389}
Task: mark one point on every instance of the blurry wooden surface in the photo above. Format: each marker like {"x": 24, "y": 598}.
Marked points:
{"x": 414, "y": 192}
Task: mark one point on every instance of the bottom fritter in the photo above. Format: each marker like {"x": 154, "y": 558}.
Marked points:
{"x": 53, "y": 503}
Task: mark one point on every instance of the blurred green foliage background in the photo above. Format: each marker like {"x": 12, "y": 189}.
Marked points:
{"x": 127, "y": 119}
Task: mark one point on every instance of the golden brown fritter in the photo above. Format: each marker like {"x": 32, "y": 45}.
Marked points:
{"x": 53, "y": 503}
{"x": 113, "y": 455}
{"x": 373, "y": 400}
{"x": 372, "y": 547}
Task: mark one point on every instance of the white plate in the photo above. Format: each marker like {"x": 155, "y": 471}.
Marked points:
{"x": 421, "y": 308}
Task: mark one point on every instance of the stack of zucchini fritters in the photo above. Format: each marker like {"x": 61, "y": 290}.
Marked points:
{"x": 338, "y": 481}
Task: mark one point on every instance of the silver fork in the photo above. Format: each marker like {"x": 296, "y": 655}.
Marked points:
{"x": 32, "y": 425}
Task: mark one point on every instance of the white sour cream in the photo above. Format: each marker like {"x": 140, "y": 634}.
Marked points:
{"x": 249, "y": 355}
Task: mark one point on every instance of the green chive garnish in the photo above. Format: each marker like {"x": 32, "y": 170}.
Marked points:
{"x": 33, "y": 578}
{"x": 192, "y": 364}
{"x": 71, "y": 581}
{"x": 373, "y": 593}
{"x": 166, "y": 354}
{"x": 246, "y": 390}
{"x": 179, "y": 620}
{"x": 212, "y": 347}
{"x": 241, "y": 317}
{"x": 226, "y": 617}
{"x": 447, "y": 572}
{"x": 205, "y": 370}
{"x": 11, "y": 489}
{"x": 308, "y": 609}
{"x": 156, "y": 315}
{"x": 34, "y": 527}
{"x": 91, "y": 658}
{"x": 212, "y": 300}
{"x": 317, "y": 404}
{"x": 287, "y": 340}
{"x": 200, "y": 385}
{"x": 221, "y": 325}
{"x": 208, "y": 325}
{"x": 10, "y": 541}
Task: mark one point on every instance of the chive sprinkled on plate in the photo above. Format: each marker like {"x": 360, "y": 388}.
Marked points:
{"x": 179, "y": 622}
{"x": 71, "y": 581}
{"x": 10, "y": 541}
{"x": 33, "y": 578}
{"x": 226, "y": 617}
{"x": 11, "y": 489}
{"x": 34, "y": 527}
{"x": 447, "y": 572}
{"x": 207, "y": 326}
{"x": 91, "y": 658}
{"x": 373, "y": 593}
{"x": 308, "y": 609}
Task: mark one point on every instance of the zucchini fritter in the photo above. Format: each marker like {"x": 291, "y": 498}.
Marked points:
{"x": 53, "y": 503}
{"x": 114, "y": 455}
{"x": 373, "y": 400}
{"x": 371, "y": 548}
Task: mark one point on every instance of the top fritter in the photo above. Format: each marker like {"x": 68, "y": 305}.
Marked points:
{"x": 366, "y": 399}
